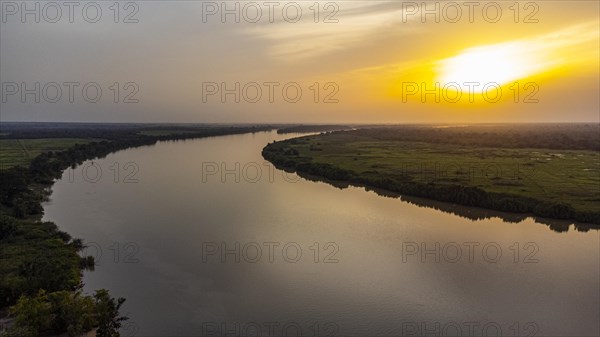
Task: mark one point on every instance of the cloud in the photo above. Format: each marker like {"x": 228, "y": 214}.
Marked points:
{"x": 509, "y": 61}
{"x": 356, "y": 22}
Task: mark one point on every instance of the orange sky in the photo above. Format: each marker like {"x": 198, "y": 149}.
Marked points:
{"x": 372, "y": 60}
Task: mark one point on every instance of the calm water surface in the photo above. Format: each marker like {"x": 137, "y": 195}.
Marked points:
{"x": 201, "y": 255}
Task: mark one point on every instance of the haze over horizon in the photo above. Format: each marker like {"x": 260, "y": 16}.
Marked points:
{"x": 176, "y": 70}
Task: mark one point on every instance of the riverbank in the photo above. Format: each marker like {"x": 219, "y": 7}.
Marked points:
{"x": 523, "y": 178}
{"x": 168, "y": 269}
{"x": 40, "y": 264}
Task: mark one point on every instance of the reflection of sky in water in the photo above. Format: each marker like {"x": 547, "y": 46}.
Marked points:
{"x": 170, "y": 213}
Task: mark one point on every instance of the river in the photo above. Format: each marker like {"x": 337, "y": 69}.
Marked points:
{"x": 203, "y": 237}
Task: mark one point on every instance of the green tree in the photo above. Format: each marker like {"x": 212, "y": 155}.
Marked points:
{"x": 66, "y": 311}
{"x": 107, "y": 309}
{"x": 73, "y": 312}
{"x": 33, "y": 315}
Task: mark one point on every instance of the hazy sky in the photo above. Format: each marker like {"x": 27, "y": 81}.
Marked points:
{"x": 371, "y": 61}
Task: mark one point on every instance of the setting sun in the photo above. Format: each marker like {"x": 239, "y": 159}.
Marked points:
{"x": 498, "y": 64}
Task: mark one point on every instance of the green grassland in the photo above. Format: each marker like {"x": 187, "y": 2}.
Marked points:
{"x": 559, "y": 177}
{"x": 20, "y": 152}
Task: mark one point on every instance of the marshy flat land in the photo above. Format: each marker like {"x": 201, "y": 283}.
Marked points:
{"x": 549, "y": 170}
{"x": 20, "y": 152}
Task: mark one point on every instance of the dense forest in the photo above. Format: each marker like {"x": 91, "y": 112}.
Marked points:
{"x": 40, "y": 266}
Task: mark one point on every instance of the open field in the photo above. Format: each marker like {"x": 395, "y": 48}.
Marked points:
{"x": 21, "y": 142}
{"x": 518, "y": 176}
{"x": 19, "y": 152}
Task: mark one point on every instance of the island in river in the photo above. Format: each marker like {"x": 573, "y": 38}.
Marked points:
{"x": 548, "y": 170}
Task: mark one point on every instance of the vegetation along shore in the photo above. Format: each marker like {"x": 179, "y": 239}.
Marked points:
{"x": 548, "y": 170}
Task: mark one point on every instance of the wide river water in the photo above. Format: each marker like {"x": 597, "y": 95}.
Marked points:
{"x": 200, "y": 247}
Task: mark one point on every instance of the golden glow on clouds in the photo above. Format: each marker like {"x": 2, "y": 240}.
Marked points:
{"x": 356, "y": 22}
{"x": 562, "y": 55}
{"x": 371, "y": 53}
{"x": 499, "y": 64}
{"x": 507, "y": 62}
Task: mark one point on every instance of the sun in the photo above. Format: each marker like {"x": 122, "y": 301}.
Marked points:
{"x": 495, "y": 64}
